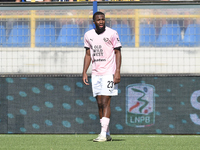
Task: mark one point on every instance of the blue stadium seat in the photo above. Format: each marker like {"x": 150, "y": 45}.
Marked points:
{"x": 69, "y": 36}
{"x": 147, "y": 35}
{"x": 124, "y": 32}
{"x": 2, "y": 35}
{"x": 89, "y": 27}
{"x": 192, "y": 36}
{"x": 19, "y": 35}
{"x": 45, "y": 34}
{"x": 170, "y": 35}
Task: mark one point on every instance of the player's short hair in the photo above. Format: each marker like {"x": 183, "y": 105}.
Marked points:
{"x": 97, "y": 13}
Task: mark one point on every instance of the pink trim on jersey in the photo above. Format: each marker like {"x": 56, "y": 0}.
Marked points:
{"x": 102, "y": 50}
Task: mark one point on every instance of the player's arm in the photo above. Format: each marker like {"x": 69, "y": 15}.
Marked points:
{"x": 86, "y": 65}
{"x": 118, "y": 65}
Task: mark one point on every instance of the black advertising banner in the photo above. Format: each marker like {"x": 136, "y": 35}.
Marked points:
{"x": 145, "y": 105}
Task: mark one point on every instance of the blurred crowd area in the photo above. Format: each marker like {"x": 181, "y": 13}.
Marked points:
{"x": 83, "y": 18}
{"x": 124, "y": 20}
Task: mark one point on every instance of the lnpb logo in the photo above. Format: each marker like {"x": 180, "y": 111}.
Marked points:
{"x": 140, "y": 105}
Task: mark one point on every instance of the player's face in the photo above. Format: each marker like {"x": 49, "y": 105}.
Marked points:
{"x": 99, "y": 21}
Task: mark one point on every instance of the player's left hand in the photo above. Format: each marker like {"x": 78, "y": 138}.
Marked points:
{"x": 117, "y": 78}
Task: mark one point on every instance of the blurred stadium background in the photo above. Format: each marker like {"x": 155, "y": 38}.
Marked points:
{"x": 41, "y": 52}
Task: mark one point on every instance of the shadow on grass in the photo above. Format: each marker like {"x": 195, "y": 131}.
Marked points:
{"x": 113, "y": 140}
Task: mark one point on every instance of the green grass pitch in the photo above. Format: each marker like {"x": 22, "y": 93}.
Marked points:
{"x": 84, "y": 142}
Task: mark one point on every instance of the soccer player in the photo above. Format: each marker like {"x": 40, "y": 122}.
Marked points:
{"x": 103, "y": 49}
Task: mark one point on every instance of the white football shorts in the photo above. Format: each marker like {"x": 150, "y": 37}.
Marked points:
{"x": 104, "y": 85}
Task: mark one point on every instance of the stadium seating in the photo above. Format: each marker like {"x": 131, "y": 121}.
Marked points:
{"x": 45, "y": 34}
{"x": 2, "y": 34}
{"x": 192, "y": 36}
{"x": 69, "y": 36}
{"x": 19, "y": 35}
{"x": 124, "y": 32}
{"x": 147, "y": 35}
{"x": 170, "y": 35}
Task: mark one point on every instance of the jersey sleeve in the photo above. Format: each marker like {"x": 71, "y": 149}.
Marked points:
{"x": 115, "y": 40}
{"x": 86, "y": 41}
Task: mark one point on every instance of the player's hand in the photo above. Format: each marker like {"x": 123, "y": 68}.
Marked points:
{"x": 117, "y": 77}
{"x": 85, "y": 79}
